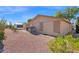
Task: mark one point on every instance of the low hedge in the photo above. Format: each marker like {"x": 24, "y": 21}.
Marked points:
{"x": 64, "y": 44}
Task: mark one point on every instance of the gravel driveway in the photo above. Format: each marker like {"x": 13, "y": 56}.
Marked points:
{"x": 25, "y": 42}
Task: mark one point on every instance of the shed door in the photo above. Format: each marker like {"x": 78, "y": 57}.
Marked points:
{"x": 48, "y": 28}
{"x": 56, "y": 26}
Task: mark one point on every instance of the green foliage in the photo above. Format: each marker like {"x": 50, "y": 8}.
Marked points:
{"x": 64, "y": 44}
{"x": 68, "y": 13}
{"x": 77, "y": 22}
{"x": 24, "y": 23}
{"x": 58, "y": 14}
{"x": 76, "y": 45}
{"x": 29, "y": 20}
{"x": 1, "y": 36}
{"x": 2, "y": 24}
{"x": 13, "y": 28}
{"x": 57, "y": 45}
{"x": 10, "y": 25}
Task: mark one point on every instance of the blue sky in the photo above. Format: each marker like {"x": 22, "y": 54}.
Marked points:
{"x": 23, "y": 13}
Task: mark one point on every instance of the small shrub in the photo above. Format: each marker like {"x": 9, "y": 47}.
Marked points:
{"x": 1, "y": 46}
{"x": 64, "y": 44}
{"x": 57, "y": 45}
{"x": 2, "y": 24}
{"x": 13, "y": 28}
{"x": 76, "y": 45}
{"x": 2, "y": 28}
{"x": 1, "y": 36}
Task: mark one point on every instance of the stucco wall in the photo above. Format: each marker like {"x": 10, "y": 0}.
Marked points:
{"x": 65, "y": 28}
{"x": 48, "y": 26}
{"x": 36, "y": 23}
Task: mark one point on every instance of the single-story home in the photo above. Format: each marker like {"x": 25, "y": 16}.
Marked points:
{"x": 51, "y": 25}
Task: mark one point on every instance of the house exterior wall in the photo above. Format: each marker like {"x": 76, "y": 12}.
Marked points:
{"x": 47, "y": 25}
{"x": 37, "y": 22}
{"x": 65, "y": 28}
{"x": 48, "y": 28}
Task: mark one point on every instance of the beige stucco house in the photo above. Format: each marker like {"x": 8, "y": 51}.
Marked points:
{"x": 51, "y": 25}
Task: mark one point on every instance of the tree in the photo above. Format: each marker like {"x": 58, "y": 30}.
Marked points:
{"x": 29, "y": 20}
{"x": 10, "y": 25}
{"x": 70, "y": 13}
{"x": 58, "y": 14}
{"x": 77, "y": 25}
{"x": 77, "y": 22}
{"x": 24, "y": 23}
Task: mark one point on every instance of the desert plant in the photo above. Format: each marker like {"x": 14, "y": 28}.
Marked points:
{"x": 1, "y": 36}
{"x": 64, "y": 44}
{"x": 76, "y": 45}
{"x": 57, "y": 45}
{"x": 2, "y": 24}
{"x": 13, "y": 28}
{"x": 68, "y": 13}
{"x": 2, "y": 28}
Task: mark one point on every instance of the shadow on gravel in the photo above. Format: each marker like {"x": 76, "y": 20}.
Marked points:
{"x": 35, "y": 33}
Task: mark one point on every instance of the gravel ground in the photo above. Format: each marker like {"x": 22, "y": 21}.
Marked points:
{"x": 25, "y": 42}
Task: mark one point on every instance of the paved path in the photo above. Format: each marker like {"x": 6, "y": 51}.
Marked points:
{"x": 21, "y": 42}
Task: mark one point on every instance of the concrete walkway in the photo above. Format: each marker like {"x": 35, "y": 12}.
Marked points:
{"x": 22, "y": 42}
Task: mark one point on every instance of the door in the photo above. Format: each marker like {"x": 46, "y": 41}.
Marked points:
{"x": 56, "y": 26}
{"x": 48, "y": 28}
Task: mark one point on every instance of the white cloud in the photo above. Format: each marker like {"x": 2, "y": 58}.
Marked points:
{"x": 11, "y": 10}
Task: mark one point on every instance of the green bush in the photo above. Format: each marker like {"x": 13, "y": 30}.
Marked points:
{"x": 14, "y": 28}
{"x": 1, "y": 36}
{"x": 1, "y": 41}
{"x": 2, "y": 24}
{"x": 64, "y": 44}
